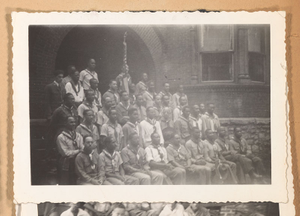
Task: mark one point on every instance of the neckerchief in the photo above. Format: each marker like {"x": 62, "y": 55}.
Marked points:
{"x": 161, "y": 155}
{"x": 116, "y": 97}
{"x": 74, "y": 87}
{"x": 180, "y": 155}
{"x": 91, "y": 73}
{"x": 199, "y": 149}
{"x": 126, "y": 108}
{"x": 114, "y": 126}
{"x": 97, "y": 94}
{"x": 133, "y": 126}
{"x": 91, "y": 160}
{"x": 223, "y": 146}
{"x": 152, "y": 122}
{"x": 72, "y": 136}
{"x": 90, "y": 106}
{"x": 90, "y": 130}
{"x": 184, "y": 119}
{"x": 134, "y": 151}
{"x": 112, "y": 158}
{"x": 68, "y": 111}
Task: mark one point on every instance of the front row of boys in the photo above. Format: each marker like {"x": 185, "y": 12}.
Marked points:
{"x": 196, "y": 162}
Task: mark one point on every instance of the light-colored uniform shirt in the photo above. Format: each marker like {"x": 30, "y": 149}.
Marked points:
{"x": 147, "y": 128}
{"x": 110, "y": 162}
{"x": 115, "y": 132}
{"x": 85, "y": 77}
{"x": 84, "y": 131}
{"x": 156, "y": 154}
{"x": 69, "y": 146}
{"x": 76, "y": 90}
{"x": 86, "y": 106}
{"x": 211, "y": 122}
{"x": 102, "y": 117}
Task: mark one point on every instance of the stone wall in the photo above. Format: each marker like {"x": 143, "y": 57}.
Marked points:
{"x": 257, "y": 132}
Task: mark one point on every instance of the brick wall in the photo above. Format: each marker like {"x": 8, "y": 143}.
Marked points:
{"x": 173, "y": 58}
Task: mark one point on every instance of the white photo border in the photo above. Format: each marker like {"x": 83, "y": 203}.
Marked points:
{"x": 25, "y": 192}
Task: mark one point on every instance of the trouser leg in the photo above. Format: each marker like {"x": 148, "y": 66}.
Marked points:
{"x": 114, "y": 181}
{"x": 130, "y": 180}
{"x": 157, "y": 178}
{"x": 143, "y": 178}
{"x": 177, "y": 175}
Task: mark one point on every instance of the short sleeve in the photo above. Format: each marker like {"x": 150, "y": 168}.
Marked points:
{"x": 120, "y": 161}
{"x": 149, "y": 156}
{"x": 81, "y": 75}
{"x": 68, "y": 88}
{"x": 80, "y": 110}
{"x": 104, "y": 129}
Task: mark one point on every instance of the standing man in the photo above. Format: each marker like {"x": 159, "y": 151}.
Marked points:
{"x": 195, "y": 119}
{"x": 113, "y": 130}
{"x": 141, "y": 86}
{"x": 54, "y": 93}
{"x": 149, "y": 95}
{"x": 136, "y": 165}
{"x": 88, "y": 74}
{"x": 94, "y": 87}
{"x": 166, "y": 91}
{"x": 75, "y": 88}
{"x": 112, "y": 92}
{"x": 177, "y": 95}
{"x": 112, "y": 164}
{"x": 124, "y": 79}
{"x": 132, "y": 126}
{"x": 88, "y": 104}
{"x": 122, "y": 108}
{"x": 132, "y": 96}
{"x": 158, "y": 161}
{"x": 211, "y": 120}
{"x": 149, "y": 126}
{"x": 87, "y": 127}
{"x": 71, "y": 69}
{"x": 182, "y": 126}
{"x": 240, "y": 145}
{"x": 102, "y": 115}
{"x": 59, "y": 118}
{"x": 69, "y": 144}
{"x": 200, "y": 156}
{"x": 87, "y": 165}
{"x": 139, "y": 105}
{"x": 178, "y": 109}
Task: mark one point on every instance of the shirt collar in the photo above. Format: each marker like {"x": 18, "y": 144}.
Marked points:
{"x": 56, "y": 83}
{"x": 111, "y": 156}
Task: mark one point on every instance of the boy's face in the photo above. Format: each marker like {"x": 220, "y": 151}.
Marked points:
{"x": 59, "y": 78}
{"x": 156, "y": 139}
{"x": 90, "y": 96}
{"x": 135, "y": 116}
{"x": 113, "y": 115}
{"x": 89, "y": 116}
{"x": 94, "y": 84}
{"x": 114, "y": 85}
{"x": 112, "y": 145}
{"x": 71, "y": 124}
{"x": 167, "y": 87}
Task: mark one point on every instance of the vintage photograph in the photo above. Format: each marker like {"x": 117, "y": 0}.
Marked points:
{"x": 161, "y": 106}
{"x": 149, "y": 104}
{"x": 158, "y": 209}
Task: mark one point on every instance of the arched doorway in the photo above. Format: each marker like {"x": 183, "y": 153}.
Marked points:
{"x": 105, "y": 45}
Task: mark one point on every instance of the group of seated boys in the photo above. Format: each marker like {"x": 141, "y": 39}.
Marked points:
{"x": 133, "y": 135}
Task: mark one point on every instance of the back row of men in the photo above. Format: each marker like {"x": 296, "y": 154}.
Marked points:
{"x": 132, "y": 129}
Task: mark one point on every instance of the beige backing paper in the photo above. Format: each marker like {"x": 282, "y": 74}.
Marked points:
{"x": 25, "y": 193}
